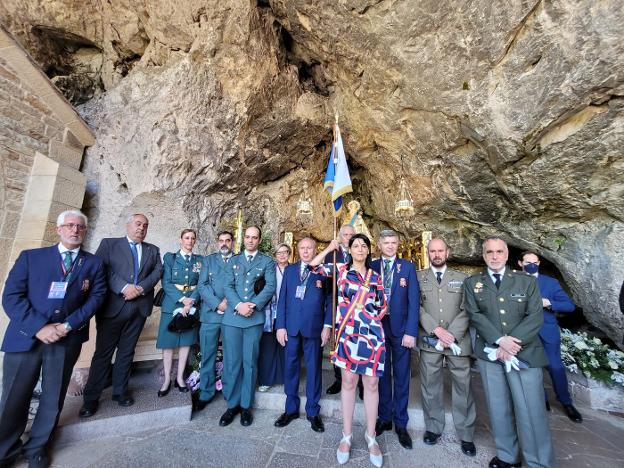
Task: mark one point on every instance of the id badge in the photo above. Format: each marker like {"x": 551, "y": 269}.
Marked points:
{"x": 57, "y": 290}
{"x": 300, "y": 292}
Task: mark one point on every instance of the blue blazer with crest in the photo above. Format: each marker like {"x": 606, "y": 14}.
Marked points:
{"x": 25, "y": 297}
{"x": 307, "y": 316}
{"x": 404, "y": 300}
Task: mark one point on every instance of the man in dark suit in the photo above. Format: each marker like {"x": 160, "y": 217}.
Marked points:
{"x": 346, "y": 232}
{"x": 249, "y": 285}
{"x": 50, "y": 295}
{"x": 554, "y": 301}
{"x": 401, "y": 329}
{"x": 505, "y": 308}
{"x": 304, "y": 323}
{"x": 133, "y": 268}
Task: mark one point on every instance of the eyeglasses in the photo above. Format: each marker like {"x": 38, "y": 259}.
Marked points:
{"x": 281, "y": 252}
{"x": 72, "y": 226}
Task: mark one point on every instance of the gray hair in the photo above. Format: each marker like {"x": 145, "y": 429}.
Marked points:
{"x": 79, "y": 214}
{"x": 308, "y": 238}
{"x": 493, "y": 238}
{"x": 344, "y": 226}
{"x": 131, "y": 217}
{"x": 279, "y": 246}
{"x": 388, "y": 233}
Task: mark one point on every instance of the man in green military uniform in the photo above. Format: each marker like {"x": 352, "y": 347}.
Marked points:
{"x": 249, "y": 285}
{"x": 213, "y": 306}
{"x": 444, "y": 320}
{"x": 505, "y": 308}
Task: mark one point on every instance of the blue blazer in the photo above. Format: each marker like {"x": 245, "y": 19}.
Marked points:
{"x": 25, "y": 298}
{"x": 404, "y": 300}
{"x": 307, "y": 316}
{"x": 560, "y": 302}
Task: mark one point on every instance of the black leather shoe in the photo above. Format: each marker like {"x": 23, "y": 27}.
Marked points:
{"x": 228, "y": 416}
{"x": 547, "y": 405}
{"x": 162, "y": 393}
{"x": 468, "y": 448}
{"x": 382, "y": 426}
{"x": 201, "y": 404}
{"x": 246, "y": 417}
{"x": 572, "y": 413}
{"x": 316, "y": 423}
{"x": 181, "y": 389}
{"x": 285, "y": 419}
{"x": 431, "y": 438}
{"x": 39, "y": 460}
{"x": 404, "y": 438}
{"x": 123, "y": 400}
{"x": 497, "y": 463}
{"x": 89, "y": 408}
{"x": 334, "y": 388}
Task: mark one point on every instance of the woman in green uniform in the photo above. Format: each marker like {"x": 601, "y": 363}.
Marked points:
{"x": 180, "y": 276}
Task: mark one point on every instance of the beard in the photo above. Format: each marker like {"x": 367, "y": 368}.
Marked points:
{"x": 438, "y": 263}
{"x": 225, "y": 251}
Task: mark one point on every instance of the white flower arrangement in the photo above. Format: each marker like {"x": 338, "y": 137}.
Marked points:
{"x": 591, "y": 357}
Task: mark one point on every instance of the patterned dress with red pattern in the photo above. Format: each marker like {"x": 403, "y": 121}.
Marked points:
{"x": 360, "y": 346}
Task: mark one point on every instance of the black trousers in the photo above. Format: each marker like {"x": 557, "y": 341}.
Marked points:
{"x": 119, "y": 333}
{"x": 54, "y": 362}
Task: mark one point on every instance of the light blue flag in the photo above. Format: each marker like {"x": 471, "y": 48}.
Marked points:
{"x": 337, "y": 178}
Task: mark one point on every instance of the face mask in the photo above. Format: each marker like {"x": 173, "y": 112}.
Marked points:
{"x": 531, "y": 268}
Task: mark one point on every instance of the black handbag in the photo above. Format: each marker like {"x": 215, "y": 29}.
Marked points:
{"x": 180, "y": 323}
{"x": 160, "y": 295}
{"x": 259, "y": 285}
{"x": 158, "y": 298}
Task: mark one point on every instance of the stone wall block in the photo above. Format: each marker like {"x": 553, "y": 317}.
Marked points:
{"x": 69, "y": 192}
{"x": 64, "y": 154}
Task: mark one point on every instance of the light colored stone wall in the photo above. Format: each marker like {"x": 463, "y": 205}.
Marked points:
{"x": 42, "y": 141}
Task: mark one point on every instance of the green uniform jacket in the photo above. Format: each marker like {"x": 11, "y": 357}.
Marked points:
{"x": 515, "y": 310}
{"x": 240, "y": 277}
{"x": 177, "y": 272}
{"x": 212, "y": 287}
{"x": 442, "y": 306}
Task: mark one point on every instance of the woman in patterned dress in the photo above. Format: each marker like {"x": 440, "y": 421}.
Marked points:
{"x": 360, "y": 347}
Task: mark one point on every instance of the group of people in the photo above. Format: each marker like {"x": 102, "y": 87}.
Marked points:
{"x": 269, "y": 314}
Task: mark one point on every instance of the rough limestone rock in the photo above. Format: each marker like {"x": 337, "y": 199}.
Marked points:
{"x": 505, "y": 119}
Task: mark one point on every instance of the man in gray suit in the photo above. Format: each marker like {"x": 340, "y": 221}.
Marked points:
{"x": 250, "y": 284}
{"x": 213, "y": 306}
{"x": 443, "y": 320}
{"x": 505, "y": 308}
{"x": 133, "y": 269}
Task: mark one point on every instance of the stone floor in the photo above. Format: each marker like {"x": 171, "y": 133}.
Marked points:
{"x": 598, "y": 442}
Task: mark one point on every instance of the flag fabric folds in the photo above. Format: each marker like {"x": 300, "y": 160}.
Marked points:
{"x": 337, "y": 178}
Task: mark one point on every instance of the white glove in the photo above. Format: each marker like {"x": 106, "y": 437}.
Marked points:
{"x": 456, "y": 349}
{"x": 512, "y": 363}
{"x": 439, "y": 346}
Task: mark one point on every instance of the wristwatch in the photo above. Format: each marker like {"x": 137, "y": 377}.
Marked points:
{"x": 67, "y": 326}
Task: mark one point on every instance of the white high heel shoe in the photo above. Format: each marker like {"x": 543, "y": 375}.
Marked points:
{"x": 343, "y": 457}
{"x": 376, "y": 460}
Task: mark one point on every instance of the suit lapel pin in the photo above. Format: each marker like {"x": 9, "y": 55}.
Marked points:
{"x": 398, "y": 267}
{"x": 80, "y": 262}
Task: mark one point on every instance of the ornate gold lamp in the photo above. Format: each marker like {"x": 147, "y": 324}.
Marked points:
{"x": 404, "y": 206}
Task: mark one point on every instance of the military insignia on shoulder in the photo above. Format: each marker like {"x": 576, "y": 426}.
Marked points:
{"x": 478, "y": 287}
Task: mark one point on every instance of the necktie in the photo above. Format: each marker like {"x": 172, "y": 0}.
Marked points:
{"x": 67, "y": 263}
{"x": 303, "y": 275}
{"x": 387, "y": 276}
{"x": 186, "y": 257}
{"x": 135, "y": 261}
{"x": 249, "y": 258}
{"x": 225, "y": 259}
{"x": 497, "y": 276}
{"x": 439, "y": 275}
